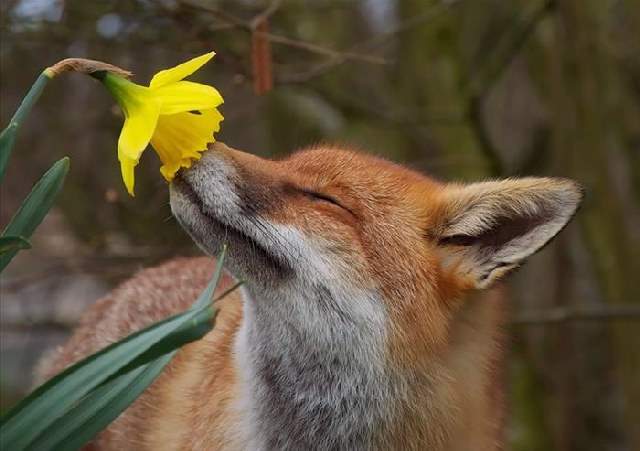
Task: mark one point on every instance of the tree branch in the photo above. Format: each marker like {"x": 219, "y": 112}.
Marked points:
{"x": 427, "y": 15}
{"x": 266, "y": 14}
{"x": 283, "y": 40}
{"x": 561, "y": 315}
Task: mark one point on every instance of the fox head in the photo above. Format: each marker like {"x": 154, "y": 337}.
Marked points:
{"x": 341, "y": 222}
{"x": 335, "y": 216}
{"x": 358, "y": 314}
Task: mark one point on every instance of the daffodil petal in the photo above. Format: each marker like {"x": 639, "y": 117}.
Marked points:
{"x": 180, "y": 71}
{"x": 180, "y": 138}
{"x": 141, "y": 113}
{"x": 127, "y": 167}
{"x": 186, "y": 96}
{"x": 139, "y": 125}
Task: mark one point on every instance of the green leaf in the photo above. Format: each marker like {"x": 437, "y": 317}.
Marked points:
{"x": 36, "y": 206}
{"x": 59, "y": 404}
{"x": 207, "y": 295}
{"x": 60, "y": 434}
{"x": 103, "y": 405}
{"x": 114, "y": 397}
{"x": 8, "y": 135}
{"x": 7, "y": 140}
{"x": 51, "y": 400}
{"x": 13, "y": 243}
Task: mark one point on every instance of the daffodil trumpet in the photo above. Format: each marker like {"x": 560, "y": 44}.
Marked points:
{"x": 178, "y": 117}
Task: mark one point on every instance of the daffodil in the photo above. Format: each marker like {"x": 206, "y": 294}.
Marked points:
{"x": 178, "y": 118}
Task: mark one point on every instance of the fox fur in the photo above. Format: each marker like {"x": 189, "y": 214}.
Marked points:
{"x": 369, "y": 319}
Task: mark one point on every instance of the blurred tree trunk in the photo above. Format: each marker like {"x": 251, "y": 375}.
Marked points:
{"x": 583, "y": 137}
{"x": 429, "y": 78}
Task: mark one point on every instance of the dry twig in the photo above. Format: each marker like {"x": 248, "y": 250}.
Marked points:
{"x": 279, "y": 39}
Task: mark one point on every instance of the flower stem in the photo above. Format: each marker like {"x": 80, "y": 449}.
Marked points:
{"x": 8, "y": 135}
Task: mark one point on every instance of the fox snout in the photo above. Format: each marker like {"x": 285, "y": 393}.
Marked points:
{"x": 212, "y": 182}
{"x": 216, "y": 203}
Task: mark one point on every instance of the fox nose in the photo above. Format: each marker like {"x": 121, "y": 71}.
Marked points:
{"x": 214, "y": 163}
{"x": 214, "y": 152}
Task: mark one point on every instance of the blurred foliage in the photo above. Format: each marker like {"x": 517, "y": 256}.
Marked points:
{"x": 461, "y": 89}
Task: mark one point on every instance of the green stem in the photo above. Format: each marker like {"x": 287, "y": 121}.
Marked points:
{"x": 7, "y": 137}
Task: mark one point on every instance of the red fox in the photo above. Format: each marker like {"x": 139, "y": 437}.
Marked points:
{"x": 359, "y": 326}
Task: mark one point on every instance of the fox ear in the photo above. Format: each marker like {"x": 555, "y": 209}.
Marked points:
{"x": 489, "y": 228}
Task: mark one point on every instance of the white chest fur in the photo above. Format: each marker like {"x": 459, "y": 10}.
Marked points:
{"x": 312, "y": 369}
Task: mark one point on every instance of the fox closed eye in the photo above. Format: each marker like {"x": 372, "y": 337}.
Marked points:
{"x": 323, "y": 198}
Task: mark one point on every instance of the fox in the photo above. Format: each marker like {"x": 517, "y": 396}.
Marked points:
{"x": 371, "y": 315}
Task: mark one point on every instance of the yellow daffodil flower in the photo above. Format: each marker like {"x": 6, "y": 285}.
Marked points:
{"x": 177, "y": 117}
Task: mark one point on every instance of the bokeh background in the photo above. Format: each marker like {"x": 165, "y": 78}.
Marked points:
{"x": 461, "y": 89}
